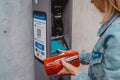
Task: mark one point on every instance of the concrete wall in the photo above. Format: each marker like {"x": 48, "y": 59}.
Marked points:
{"x": 16, "y": 40}
{"x": 86, "y": 19}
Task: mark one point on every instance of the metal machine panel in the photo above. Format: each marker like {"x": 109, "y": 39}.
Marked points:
{"x": 43, "y": 6}
{"x": 65, "y": 20}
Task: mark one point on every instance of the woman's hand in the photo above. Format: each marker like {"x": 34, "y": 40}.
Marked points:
{"x": 68, "y": 69}
{"x": 63, "y": 51}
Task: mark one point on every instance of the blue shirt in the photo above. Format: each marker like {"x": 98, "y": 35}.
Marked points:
{"x": 104, "y": 64}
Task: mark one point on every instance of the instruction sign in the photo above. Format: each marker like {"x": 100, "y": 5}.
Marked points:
{"x": 39, "y": 22}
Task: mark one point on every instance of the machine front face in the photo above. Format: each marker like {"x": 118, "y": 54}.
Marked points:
{"x": 51, "y": 27}
{"x": 52, "y": 22}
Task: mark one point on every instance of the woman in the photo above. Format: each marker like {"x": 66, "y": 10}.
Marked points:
{"x": 105, "y": 59}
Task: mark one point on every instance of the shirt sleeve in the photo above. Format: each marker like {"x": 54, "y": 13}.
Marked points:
{"x": 112, "y": 56}
{"x": 82, "y": 76}
{"x": 84, "y": 58}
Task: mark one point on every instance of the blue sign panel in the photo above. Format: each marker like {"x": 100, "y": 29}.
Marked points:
{"x": 40, "y": 46}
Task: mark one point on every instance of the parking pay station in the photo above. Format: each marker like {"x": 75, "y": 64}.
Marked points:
{"x": 52, "y": 22}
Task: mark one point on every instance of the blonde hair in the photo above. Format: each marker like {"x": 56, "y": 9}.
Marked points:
{"x": 109, "y": 7}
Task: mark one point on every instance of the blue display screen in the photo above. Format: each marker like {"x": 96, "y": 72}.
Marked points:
{"x": 58, "y": 44}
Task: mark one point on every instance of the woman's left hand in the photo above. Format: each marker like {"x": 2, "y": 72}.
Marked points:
{"x": 68, "y": 69}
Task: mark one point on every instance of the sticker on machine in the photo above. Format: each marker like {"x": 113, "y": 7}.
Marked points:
{"x": 39, "y": 19}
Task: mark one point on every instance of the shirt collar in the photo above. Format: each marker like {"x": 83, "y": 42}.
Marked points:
{"x": 104, "y": 27}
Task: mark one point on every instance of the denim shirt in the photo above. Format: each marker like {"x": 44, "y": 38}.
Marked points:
{"x": 104, "y": 63}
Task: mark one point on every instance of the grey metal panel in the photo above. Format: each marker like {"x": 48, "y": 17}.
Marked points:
{"x": 39, "y": 71}
{"x": 67, "y": 22}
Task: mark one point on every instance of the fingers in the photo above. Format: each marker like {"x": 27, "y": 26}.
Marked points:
{"x": 67, "y": 65}
{"x": 70, "y": 68}
{"x": 63, "y": 72}
{"x": 62, "y": 51}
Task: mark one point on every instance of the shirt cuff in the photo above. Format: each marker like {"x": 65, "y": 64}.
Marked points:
{"x": 81, "y": 76}
{"x": 85, "y": 57}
